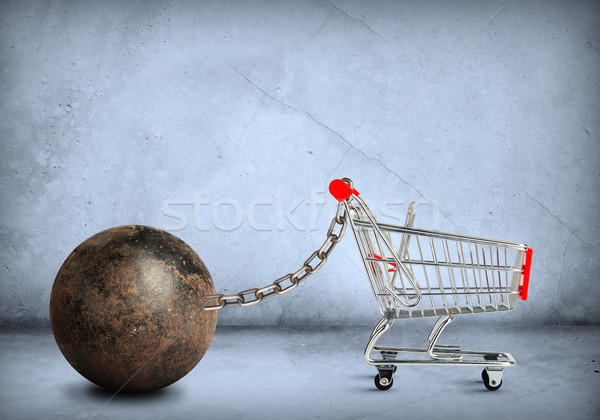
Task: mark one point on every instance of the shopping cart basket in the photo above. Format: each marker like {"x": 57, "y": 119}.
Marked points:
{"x": 433, "y": 273}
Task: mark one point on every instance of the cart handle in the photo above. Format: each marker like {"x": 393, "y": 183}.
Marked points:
{"x": 341, "y": 190}
{"x": 525, "y": 271}
{"x": 386, "y": 240}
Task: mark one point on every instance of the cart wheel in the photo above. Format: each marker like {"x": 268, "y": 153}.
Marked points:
{"x": 486, "y": 381}
{"x": 383, "y": 383}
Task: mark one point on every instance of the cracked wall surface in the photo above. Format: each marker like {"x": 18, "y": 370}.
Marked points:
{"x": 223, "y": 123}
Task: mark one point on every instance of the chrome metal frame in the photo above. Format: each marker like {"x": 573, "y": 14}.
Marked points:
{"x": 458, "y": 274}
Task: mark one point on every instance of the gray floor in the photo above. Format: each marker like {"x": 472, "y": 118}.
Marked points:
{"x": 289, "y": 373}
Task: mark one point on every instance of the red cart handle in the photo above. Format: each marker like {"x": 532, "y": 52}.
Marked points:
{"x": 341, "y": 190}
{"x": 526, "y": 269}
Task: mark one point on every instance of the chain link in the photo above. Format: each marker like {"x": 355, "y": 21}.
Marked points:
{"x": 256, "y": 295}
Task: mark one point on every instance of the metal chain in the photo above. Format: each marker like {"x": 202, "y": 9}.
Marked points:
{"x": 256, "y": 295}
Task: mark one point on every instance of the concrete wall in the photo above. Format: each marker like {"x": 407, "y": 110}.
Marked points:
{"x": 116, "y": 113}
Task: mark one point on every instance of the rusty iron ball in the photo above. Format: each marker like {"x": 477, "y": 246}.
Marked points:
{"x": 127, "y": 309}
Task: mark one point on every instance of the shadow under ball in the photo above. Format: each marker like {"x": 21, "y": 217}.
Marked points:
{"x": 127, "y": 309}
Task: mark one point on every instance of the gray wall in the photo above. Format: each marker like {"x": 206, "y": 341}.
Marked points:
{"x": 116, "y": 113}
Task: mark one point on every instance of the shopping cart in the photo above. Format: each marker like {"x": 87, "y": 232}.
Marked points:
{"x": 433, "y": 273}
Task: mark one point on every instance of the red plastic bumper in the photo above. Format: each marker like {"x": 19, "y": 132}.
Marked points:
{"x": 524, "y": 284}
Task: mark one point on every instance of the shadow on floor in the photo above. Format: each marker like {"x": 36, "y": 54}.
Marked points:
{"x": 95, "y": 393}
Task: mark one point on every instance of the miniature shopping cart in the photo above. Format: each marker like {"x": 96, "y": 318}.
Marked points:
{"x": 432, "y": 273}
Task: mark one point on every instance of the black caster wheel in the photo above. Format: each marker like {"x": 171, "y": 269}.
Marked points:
{"x": 486, "y": 381}
{"x": 383, "y": 383}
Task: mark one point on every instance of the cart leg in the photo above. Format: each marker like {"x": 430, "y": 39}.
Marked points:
{"x": 439, "y": 351}
{"x": 382, "y": 326}
{"x": 383, "y": 379}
